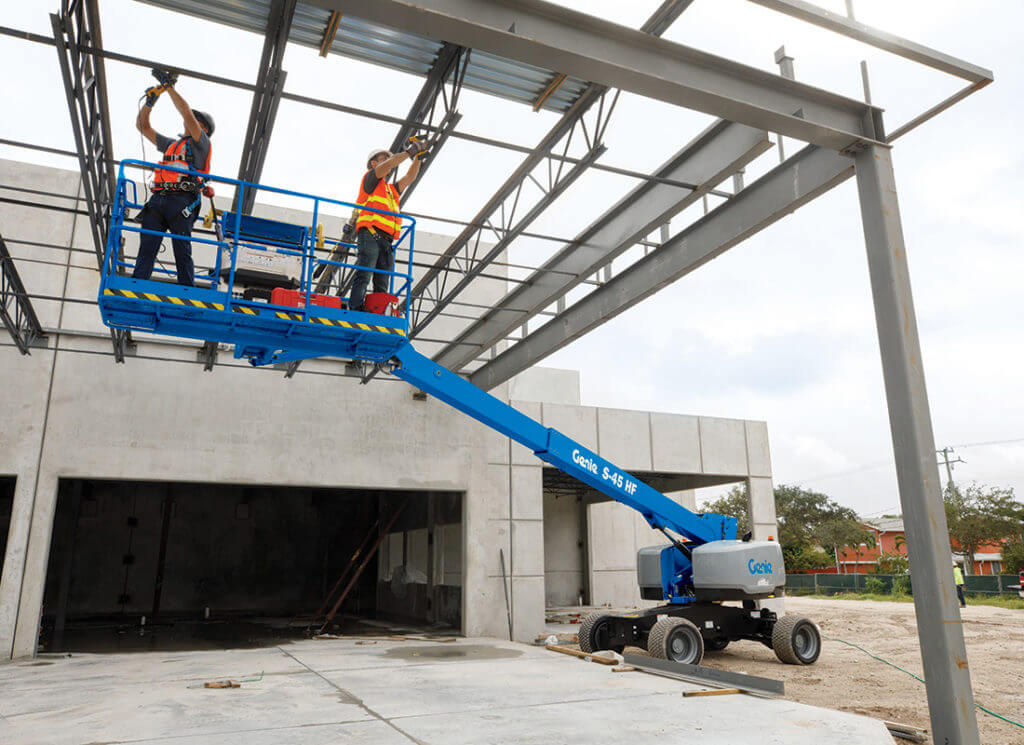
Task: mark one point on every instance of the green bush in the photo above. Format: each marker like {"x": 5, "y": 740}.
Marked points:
{"x": 875, "y": 586}
{"x": 901, "y": 585}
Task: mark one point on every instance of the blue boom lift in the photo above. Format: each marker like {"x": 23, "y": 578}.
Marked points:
{"x": 702, "y": 565}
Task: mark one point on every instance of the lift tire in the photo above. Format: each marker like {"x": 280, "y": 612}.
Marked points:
{"x": 593, "y": 634}
{"x": 676, "y": 639}
{"x": 715, "y": 645}
{"x": 796, "y": 640}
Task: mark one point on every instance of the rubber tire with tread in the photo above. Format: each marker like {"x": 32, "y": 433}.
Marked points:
{"x": 587, "y": 635}
{"x": 660, "y": 637}
{"x": 784, "y": 635}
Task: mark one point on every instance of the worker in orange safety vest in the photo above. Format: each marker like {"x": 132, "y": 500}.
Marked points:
{"x": 376, "y": 232}
{"x": 175, "y": 203}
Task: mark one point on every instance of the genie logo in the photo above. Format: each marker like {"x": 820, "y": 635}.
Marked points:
{"x": 759, "y": 567}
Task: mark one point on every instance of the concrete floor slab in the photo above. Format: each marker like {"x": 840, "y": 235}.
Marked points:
{"x": 336, "y": 691}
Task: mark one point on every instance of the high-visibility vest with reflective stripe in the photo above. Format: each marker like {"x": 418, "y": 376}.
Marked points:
{"x": 178, "y": 155}
{"x": 383, "y": 197}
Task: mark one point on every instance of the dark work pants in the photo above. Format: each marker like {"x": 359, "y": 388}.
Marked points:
{"x": 377, "y": 253}
{"x": 960, "y": 594}
{"x": 168, "y": 212}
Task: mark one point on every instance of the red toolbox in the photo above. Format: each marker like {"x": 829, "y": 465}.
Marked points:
{"x": 296, "y": 299}
{"x": 383, "y": 304}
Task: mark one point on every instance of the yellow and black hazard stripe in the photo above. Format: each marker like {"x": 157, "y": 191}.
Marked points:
{"x": 287, "y": 315}
{"x": 189, "y": 303}
{"x": 185, "y": 302}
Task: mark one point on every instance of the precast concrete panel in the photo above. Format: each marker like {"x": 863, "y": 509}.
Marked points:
{"x": 625, "y": 438}
{"x": 675, "y": 443}
{"x": 723, "y": 446}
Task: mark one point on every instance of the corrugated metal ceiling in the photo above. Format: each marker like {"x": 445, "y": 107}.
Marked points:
{"x": 388, "y": 47}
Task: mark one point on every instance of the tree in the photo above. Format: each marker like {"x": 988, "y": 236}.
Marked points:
{"x": 1013, "y": 556}
{"x": 807, "y": 520}
{"x": 981, "y": 514}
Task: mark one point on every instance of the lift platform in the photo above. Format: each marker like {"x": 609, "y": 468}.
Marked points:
{"x": 702, "y": 564}
{"x": 219, "y": 309}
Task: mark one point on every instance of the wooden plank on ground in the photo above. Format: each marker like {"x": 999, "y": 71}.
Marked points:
{"x": 711, "y": 692}
{"x": 582, "y": 655}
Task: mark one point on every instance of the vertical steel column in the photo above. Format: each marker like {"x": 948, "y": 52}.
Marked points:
{"x": 950, "y": 698}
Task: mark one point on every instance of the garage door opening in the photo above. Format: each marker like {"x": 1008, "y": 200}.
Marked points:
{"x": 144, "y": 565}
{"x": 6, "y": 506}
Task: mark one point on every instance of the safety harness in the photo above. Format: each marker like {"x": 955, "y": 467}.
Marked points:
{"x": 179, "y": 154}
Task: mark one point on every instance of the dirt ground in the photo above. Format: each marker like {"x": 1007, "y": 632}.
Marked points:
{"x": 847, "y": 679}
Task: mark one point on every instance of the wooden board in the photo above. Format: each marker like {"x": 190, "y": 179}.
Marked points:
{"x": 712, "y": 692}
{"x": 582, "y": 655}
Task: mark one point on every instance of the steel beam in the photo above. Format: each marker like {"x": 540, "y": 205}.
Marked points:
{"x": 16, "y": 311}
{"x": 77, "y": 37}
{"x": 450, "y": 64}
{"x": 557, "y": 38}
{"x": 943, "y": 654}
{"x": 721, "y": 150}
{"x": 432, "y": 284}
{"x": 801, "y": 178}
{"x": 897, "y": 45}
{"x": 266, "y": 99}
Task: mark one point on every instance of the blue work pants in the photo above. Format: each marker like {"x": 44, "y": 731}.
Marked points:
{"x": 376, "y": 252}
{"x": 173, "y": 212}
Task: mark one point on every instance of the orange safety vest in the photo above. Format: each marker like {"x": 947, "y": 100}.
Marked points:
{"x": 383, "y": 197}
{"x": 176, "y": 155}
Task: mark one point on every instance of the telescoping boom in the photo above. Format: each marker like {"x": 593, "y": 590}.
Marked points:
{"x": 259, "y": 296}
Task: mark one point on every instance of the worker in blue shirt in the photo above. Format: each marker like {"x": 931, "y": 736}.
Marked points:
{"x": 175, "y": 203}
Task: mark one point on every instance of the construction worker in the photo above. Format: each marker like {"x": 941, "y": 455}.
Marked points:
{"x": 958, "y": 577}
{"x": 375, "y": 232}
{"x": 174, "y": 205}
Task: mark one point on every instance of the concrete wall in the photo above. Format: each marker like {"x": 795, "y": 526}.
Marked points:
{"x": 69, "y": 412}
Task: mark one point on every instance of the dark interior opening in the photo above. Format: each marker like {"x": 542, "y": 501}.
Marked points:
{"x": 149, "y": 565}
{"x": 6, "y": 506}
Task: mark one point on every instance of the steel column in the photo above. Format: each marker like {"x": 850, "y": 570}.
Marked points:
{"x": 16, "y": 309}
{"x": 265, "y": 99}
{"x": 790, "y": 185}
{"x": 712, "y": 156}
{"x": 944, "y": 657}
{"x": 557, "y": 38}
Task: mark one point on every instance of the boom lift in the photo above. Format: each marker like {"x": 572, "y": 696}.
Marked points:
{"x": 702, "y": 565}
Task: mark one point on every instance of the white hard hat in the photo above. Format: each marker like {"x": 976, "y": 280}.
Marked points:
{"x": 374, "y": 153}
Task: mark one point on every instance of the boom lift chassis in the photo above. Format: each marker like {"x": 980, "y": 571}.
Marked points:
{"x": 702, "y": 565}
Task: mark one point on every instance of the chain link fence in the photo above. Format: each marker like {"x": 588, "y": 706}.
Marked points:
{"x": 832, "y": 584}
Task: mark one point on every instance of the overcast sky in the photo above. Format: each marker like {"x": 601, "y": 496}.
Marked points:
{"x": 780, "y": 328}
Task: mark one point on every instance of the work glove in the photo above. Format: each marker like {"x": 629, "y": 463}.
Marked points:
{"x": 416, "y": 148}
{"x": 152, "y": 94}
{"x": 166, "y": 78}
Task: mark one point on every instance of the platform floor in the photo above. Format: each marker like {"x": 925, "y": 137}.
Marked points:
{"x": 321, "y": 692}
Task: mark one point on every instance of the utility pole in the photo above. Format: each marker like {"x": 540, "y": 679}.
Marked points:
{"x": 946, "y": 452}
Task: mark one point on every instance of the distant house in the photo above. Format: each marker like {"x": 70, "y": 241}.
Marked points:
{"x": 890, "y": 540}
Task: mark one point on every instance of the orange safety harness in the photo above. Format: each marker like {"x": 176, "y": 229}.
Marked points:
{"x": 179, "y": 155}
{"x": 383, "y": 197}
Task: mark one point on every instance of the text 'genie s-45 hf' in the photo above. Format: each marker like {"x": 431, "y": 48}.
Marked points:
{"x": 258, "y": 296}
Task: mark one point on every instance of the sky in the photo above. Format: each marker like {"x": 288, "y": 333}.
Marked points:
{"x": 780, "y": 328}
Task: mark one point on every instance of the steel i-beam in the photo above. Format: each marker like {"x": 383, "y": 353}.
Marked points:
{"x": 718, "y": 152}
{"x": 790, "y": 185}
{"x": 556, "y": 38}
